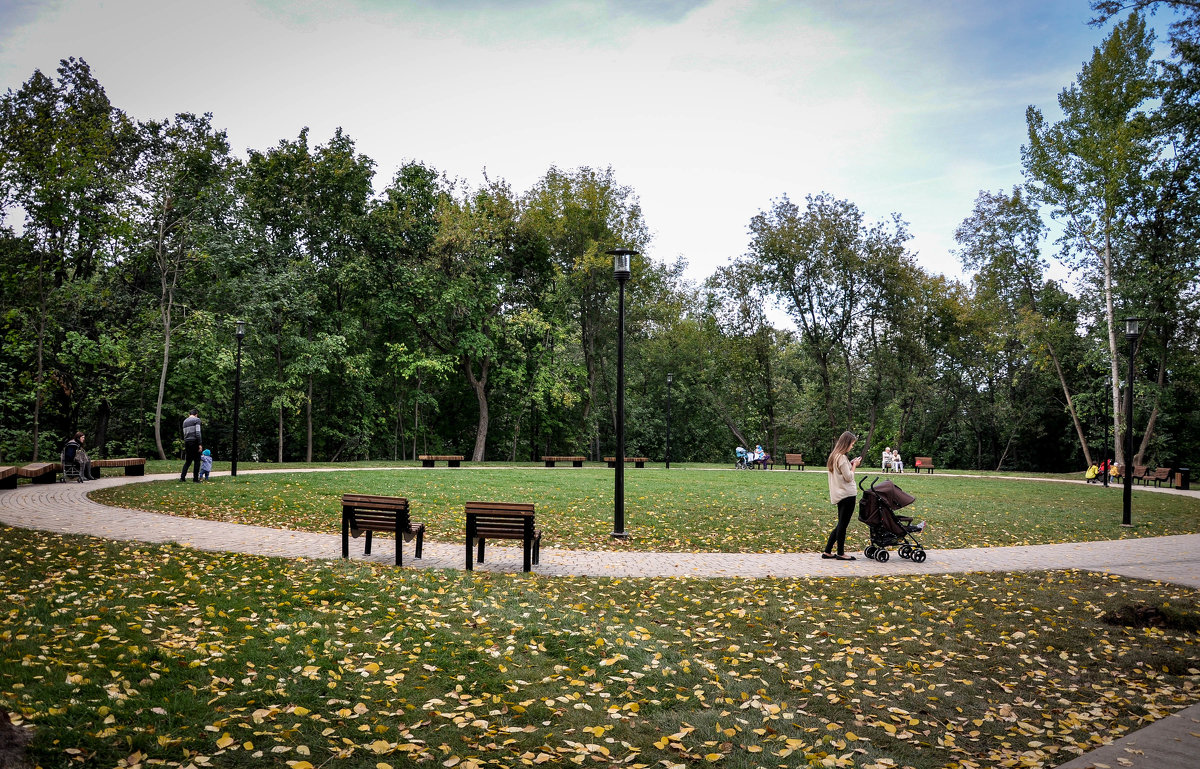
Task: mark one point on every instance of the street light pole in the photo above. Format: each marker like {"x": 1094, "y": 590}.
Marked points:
{"x": 237, "y": 395}
{"x": 1131, "y": 334}
{"x": 621, "y": 272}
{"x": 670, "y": 377}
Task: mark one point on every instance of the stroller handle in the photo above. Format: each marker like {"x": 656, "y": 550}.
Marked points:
{"x": 860, "y": 482}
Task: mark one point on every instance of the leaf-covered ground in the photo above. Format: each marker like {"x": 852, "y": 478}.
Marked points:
{"x": 133, "y": 655}
{"x": 679, "y": 510}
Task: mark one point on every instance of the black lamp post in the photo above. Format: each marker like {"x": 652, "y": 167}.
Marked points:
{"x": 621, "y": 272}
{"x": 237, "y": 394}
{"x": 670, "y": 377}
{"x": 1132, "y": 331}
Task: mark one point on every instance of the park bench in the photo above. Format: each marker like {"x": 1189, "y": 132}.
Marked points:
{"x": 575, "y": 461}
{"x": 365, "y": 512}
{"x": 637, "y": 461}
{"x": 451, "y": 460}
{"x": 502, "y": 520}
{"x": 132, "y": 465}
{"x": 1160, "y": 475}
{"x": 8, "y": 477}
{"x": 793, "y": 459}
{"x": 40, "y": 472}
{"x": 923, "y": 463}
{"x": 1139, "y": 473}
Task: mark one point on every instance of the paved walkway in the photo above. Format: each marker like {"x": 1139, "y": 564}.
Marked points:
{"x": 65, "y": 507}
{"x": 1170, "y": 743}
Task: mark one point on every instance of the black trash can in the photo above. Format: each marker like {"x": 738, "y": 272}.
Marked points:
{"x": 1182, "y": 478}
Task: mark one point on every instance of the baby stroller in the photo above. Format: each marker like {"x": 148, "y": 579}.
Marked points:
{"x": 743, "y": 459}
{"x": 877, "y": 509}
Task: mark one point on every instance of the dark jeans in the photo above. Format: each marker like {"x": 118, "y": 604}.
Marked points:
{"x": 838, "y": 535}
{"x": 191, "y": 453}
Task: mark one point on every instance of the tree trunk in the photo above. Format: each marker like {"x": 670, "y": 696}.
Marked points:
{"x": 1117, "y": 412}
{"x": 308, "y": 454}
{"x": 162, "y": 381}
{"x": 102, "y": 414}
{"x": 279, "y": 368}
{"x": 1087, "y": 454}
{"x": 37, "y": 401}
{"x": 479, "y": 385}
{"x": 1147, "y": 436}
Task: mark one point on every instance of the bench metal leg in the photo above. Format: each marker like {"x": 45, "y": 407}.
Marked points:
{"x": 527, "y": 552}
{"x": 549, "y": 463}
{"x": 345, "y": 536}
{"x": 367, "y": 551}
{"x": 9, "y": 483}
{"x": 452, "y": 463}
{"x": 469, "y": 548}
{"x": 577, "y": 463}
{"x": 479, "y": 555}
{"x": 426, "y": 463}
{"x": 420, "y": 541}
{"x": 399, "y": 549}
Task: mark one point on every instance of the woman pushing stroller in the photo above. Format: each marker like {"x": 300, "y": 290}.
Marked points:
{"x": 841, "y": 493}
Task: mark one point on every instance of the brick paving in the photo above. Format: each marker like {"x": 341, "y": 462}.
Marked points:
{"x": 65, "y": 507}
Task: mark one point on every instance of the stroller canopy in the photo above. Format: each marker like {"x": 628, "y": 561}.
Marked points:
{"x": 892, "y": 495}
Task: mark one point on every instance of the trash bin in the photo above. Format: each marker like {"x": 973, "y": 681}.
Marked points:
{"x": 1182, "y": 479}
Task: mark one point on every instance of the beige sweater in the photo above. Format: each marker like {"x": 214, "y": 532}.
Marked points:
{"x": 841, "y": 480}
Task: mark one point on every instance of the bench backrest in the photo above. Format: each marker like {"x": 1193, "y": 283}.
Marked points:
{"x": 925, "y": 461}
{"x": 500, "y": 518}
{"x": 794, "y": 459}
{"x": 1162, "y": 473}
{"x": 1139, "y": 471}
{"x": 376, "y": 512}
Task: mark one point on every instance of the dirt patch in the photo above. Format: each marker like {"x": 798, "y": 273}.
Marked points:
{"x": 1145, "y": 615}
{"x": 13, "y": 740}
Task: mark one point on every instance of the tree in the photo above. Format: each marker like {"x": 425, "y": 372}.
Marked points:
{"x": 64, "y": 156}
{"x": 1001, "y": 240}
{"x": 1092, "y": 166}
{"x": 182, "y": 198}
{"x": 582, "y": 214}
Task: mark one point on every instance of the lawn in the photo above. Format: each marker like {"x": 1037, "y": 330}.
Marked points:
{"x": 676, "y": 510}
{"x": 138, "y": 655}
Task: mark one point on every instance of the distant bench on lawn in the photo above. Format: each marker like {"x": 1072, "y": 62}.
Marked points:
{"x": 575, "y": 461}
{"x": 637, "y": 461}
{"x": 451, "y": 460}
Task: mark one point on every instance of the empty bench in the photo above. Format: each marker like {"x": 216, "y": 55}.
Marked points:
{"x": 40, "y": 472}
{"x": 451, "y": 460}
{"x": 793, "y": 459}
{"x": 637, "y": 461}
{"x": 1160, "y": 475}
{"x": 368, "y": 513}
{"x": 8, "y": 477}
{"x": 502, "y": 520}
{"x": 132, "y": 465}
{"x": 923, "y": 463}
{"x": 575, "y": 461}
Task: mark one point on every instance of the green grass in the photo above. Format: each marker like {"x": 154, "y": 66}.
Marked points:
{"x": 164, "y": 655}
{"x": 677, "y": 510}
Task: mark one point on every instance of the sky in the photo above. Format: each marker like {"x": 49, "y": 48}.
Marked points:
{"x": 708, "y": 109}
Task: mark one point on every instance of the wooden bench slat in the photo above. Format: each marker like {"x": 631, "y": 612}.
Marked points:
{"x": 575, "y": 461}
{"x": 8, "y": 477}
{"x": 793, "y": 459}
{"x": 923, "y": 463}
{"x": 451, "y": 460}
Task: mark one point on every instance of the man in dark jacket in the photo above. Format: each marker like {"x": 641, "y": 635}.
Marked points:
{"x": 191, "y": 446}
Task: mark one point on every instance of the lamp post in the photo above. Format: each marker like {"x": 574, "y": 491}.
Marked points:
{"x": 1132, "y": 331}
{"x": 237, "y": 394}
{"x": 670, "y": 377}
{"x": 621, "y": 272}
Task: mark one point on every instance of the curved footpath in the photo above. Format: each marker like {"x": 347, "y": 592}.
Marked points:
{"x": 65, "y": 508}
{"x": 1170, "y": 743}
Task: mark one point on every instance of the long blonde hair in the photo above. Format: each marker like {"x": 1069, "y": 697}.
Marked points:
{"x": 840, "y": 447}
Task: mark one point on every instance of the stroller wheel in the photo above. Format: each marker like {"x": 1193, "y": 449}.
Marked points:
{"x": 870, "y": 551}
{"x": 905, "y": 551}
{"x": 918, "y": 556}
{"x": 882, "y": 556}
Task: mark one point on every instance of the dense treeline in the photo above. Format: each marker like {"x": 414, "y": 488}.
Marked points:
{"x": 388, "y": 317}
